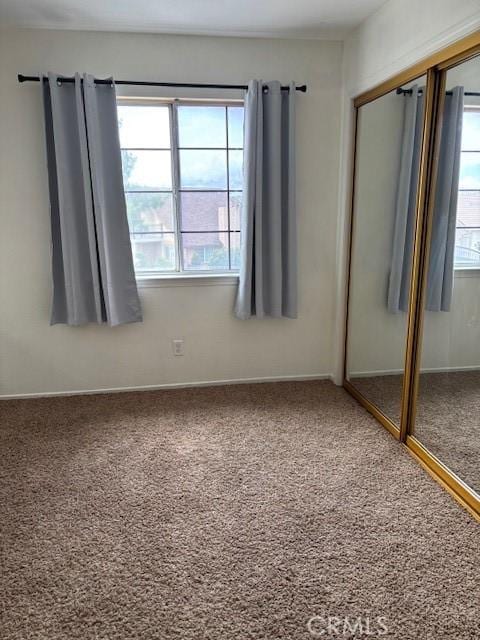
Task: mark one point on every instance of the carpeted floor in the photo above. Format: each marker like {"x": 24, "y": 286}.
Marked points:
{"x": 225, "y": 513}
{"x": 448, "y": 416}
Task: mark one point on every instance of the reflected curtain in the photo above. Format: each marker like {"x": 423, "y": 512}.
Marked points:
{"x": 92, "y": 266}
{"x": 442, "y": 246}
{"x": 268, "y": 264}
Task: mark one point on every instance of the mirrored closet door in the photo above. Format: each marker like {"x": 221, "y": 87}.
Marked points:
{"x": 388, "y": 146}
{"x": 412, "y": 346}
{"x": 447, "y": 420}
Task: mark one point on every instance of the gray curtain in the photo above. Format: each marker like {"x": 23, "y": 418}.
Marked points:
{"x": 93, "y": 274}
{"x": 442, "y": 246}
{"x": 268, "y": 265}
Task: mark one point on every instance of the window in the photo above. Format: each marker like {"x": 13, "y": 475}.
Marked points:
{"x": 182, "y": 172}
{"x": 467, "y": 238}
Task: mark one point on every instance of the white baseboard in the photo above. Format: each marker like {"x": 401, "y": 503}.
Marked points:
{"x": 397, "y": 372}
{"x": 172, "y": 385}
{"x": 374, "y": 374}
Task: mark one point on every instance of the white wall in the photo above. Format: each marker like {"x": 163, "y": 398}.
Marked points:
{"x": 399, "y": 34}
{"x": 37, "y": 358}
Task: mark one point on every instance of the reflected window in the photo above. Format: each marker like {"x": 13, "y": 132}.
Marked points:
{"x": 467, "y": 237}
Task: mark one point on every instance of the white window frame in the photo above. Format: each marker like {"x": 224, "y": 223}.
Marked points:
{"x": 181, "y": 276}
{"x": 462, "y": 270}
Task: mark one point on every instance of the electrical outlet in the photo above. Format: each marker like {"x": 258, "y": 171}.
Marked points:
{"x": 178, "y": 347}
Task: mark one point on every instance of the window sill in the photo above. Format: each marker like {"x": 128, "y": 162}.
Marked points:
{"x": 467, "y": 272}
{"x": 187, "y": 280}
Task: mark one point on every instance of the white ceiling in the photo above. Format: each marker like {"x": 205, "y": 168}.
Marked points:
{"x": 288, "y": 18}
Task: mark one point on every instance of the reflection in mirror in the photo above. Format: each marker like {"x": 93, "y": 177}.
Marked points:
{"x": 388, "y": 146}
{"x": 448, "y": 405}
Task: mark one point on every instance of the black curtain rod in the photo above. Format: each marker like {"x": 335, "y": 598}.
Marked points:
{"x": 449, "y": 93}
{"x": 141, "y": 83}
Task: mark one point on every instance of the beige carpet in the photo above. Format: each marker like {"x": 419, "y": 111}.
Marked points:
{"x": 448, "y": 416}
{"x": 225, "y": 513}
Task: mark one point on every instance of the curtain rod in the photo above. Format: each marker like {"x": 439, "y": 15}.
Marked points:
{"x": 409, "y": 91}
{"x": 141, "y": 83}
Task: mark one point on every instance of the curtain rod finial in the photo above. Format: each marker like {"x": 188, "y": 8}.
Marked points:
{"x": 22, "y": 78}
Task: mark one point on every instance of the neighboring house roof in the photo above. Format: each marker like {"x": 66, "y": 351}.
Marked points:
{"x": 201, "y": 211}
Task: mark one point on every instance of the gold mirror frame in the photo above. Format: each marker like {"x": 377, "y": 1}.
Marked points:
{"x": 435, "y": 68}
